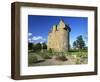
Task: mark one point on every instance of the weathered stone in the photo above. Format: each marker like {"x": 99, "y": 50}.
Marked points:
{"x": 58, "y": 38}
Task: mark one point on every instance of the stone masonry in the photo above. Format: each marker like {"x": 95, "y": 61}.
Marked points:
{"x": 58, "y": 37}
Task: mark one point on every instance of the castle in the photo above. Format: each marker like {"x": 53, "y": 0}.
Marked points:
{"x": 58, "y": 37}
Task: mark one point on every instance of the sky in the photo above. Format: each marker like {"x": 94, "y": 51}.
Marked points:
{"x": 39, "y": 26}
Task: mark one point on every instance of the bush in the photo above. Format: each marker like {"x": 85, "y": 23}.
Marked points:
{"x": 78, "y": 61}
{"x": 44, "y": 46}
{"x": 37, "y": 47}
{"x": 32, "y": 59}
{"x": 62, "y": 58}
{"x": 50, "y": 50}
{"x": 82, "y": 54}
{"x": 73, "y": 50}
{"x": 46, "y": 55}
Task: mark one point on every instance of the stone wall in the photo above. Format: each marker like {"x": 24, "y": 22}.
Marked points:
{"x": 58, "y": 38}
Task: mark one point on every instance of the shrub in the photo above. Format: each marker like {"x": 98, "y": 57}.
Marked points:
{"x": 44, "y": 46}
{"x": 62, "y": 58}
{"x": 73, "y": 50}
{"x": 78, "y": 61}
{"x": 82, "y": 54}
{"x": 50, "y": 50}
{"x": 32, "y": 59}
{"x": 37, "y": 47}
{"x": 46, "y": 55}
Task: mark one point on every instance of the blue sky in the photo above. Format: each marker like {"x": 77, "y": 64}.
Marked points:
{"x": 39, "y": 26}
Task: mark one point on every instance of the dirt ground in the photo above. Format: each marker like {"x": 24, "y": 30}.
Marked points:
{"x": 71, "y": 60}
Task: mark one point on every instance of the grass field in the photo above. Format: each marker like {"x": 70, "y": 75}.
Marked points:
{"x": 45, "y": 58}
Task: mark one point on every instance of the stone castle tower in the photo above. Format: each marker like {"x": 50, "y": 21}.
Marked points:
{"x": 58, "y": 38}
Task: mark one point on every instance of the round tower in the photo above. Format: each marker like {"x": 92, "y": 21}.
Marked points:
{"x": 58, "y": 38}
{"x": 63, "y": 36}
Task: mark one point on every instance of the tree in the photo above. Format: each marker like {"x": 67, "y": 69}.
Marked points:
{"x": 38, "y": 47}
{"x": 30, "y": 46}
{"x": 79, "y": 43}
{"x": 44, "y": 46}
{"x": 33, "y": 47}
{"x": 74, "y": 44}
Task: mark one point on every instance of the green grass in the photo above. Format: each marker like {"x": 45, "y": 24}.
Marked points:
{"x": 78, "y": 53}
{"x": 81, "y": 56}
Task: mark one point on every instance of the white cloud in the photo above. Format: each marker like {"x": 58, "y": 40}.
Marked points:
{"x": 29, "y": 34}
{"x": 37, "y": 39}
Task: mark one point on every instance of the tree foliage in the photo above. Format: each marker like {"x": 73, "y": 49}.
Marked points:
{"x": 79, "y": 43}
{"x": 37, "y": 47}
{"x": 30, "y": 47}
{"x": 74, "y": 44}
{"x": 44, "y": 46}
